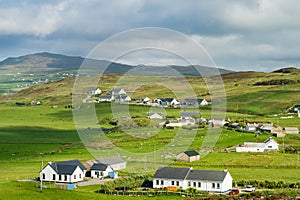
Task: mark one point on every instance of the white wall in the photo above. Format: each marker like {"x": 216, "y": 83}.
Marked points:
{"x": 119, "y": 166}
{"x": 48, "y": 171}
{"x": 249, "y": 149}
{"x": 104, "y": 173}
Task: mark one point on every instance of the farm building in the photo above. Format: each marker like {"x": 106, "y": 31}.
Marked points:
{"x": 155, "y": 116}
{"x": 291, "y": 130}
{"x": 71, "y": 171}
{"x": 100, "y": 170}
{"x": 268, "y": 145}
{"x": 188, "y": 156}
{"x": 118, "y": 92}
{"x": 183, "y": 178}
{"x": 106, "y": 98}
{"x": 116, "y": 162}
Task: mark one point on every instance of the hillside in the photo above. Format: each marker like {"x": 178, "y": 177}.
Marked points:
{"x": 243, "y": 93}
{"x": 45, "y": 62}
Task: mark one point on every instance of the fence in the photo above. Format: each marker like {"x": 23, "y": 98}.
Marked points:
{"x": 152, "y": 193}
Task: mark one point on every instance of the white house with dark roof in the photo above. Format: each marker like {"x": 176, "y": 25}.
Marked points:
{"x": 184, "y": 178}
{"x": 123, "y": 99}
{"x": 117, "y": 92}
{"x": 268, "y": 145}
{"x": 194, "y": 102}
{"x": 116, "y": 162}
{"x": 189, "y": 115}
{"x": 94, "y": 91}
{"x": 71, "y": 171}
{"x": 167, "y": 102}
{"x": 106, "y": 98}
{"x": 188, "y": 156}
{"x": 100, "y": 170}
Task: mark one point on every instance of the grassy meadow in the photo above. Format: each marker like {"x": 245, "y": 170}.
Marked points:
{"x": 32, "y": 134}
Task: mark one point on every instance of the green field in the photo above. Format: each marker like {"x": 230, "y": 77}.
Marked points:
{"x": 32, "y": 134}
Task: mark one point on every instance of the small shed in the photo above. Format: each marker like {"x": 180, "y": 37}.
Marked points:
{"x": 188, "y": 156}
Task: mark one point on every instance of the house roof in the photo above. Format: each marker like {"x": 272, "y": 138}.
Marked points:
{"x": 208, "y": 175}
{"x": 292, "y": 129}
{"x": 99, "y": 166}
{"x": 122, "y": 97}
{"x": 111, "y": 160}
{"x": 67, "y": 167}
{"x": 190, "y": 114}
{"x": 171, "y": 173}
{"x": 189, "y": 174}
{"x": 105, "y": 97}
{"x": 191, "y": 153}
{"x": 116, "y": 90}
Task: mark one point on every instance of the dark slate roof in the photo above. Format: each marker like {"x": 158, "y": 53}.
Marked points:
{"x": 171, "y": 173}
{"x": 67, "y": 167}
{"x": 99, "y": 166}
{"x": 191, "y": 153}
{"x": 111, "y": 160}
{"x": 208, "y": 175}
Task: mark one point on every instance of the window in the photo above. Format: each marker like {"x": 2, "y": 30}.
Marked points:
{"x": 199, "y": 184}
{"x": 177, "y": 183}
{"x": 189, "y": 183}
{"x": 161, "y": 182}
{"x": 213, "y": 185}
{"x": 218, "y": 185}
{"x": 195, "y": 184}
{"x": 59, "y": 177}
{"x": 269, "y": 147}
{"x": 66, "y": 178}
{"x": 173, "y": 182}
{"x": 53, "y": 177}
{"x": 43, "y": 176}
{"x": 157, "y": 182}
{"x": 74, "y": 176}
{"x": 79, "y": 175}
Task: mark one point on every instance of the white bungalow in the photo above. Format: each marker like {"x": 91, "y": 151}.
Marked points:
{"x": 268, "y": 145}
{"x": 189, "y": 115}
{"x": 117, "y": 92}
{"x": 291, "y": 130}
{"x": 181, "y": 122}
{"x": 94, "y": 91}
{"x": 71, "y": 171}
{"x": 100, "y": 170}
{"x": 184, "y": 178}
{"x": 106, "y": 98}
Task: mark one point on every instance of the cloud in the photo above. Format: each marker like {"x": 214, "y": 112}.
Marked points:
{"x": 260, "y": 33}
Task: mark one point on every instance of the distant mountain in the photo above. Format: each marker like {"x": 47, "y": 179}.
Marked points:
{"x": 48, "y": 62}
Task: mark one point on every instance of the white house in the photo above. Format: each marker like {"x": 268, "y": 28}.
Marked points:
{"x": 268, "y": 145}
{"x": 122, "y": 99}
{"x": 155, "y": 116}
{"x": 184, "y": 178}
{"x": 116, "y": 162}
{"x": 188, "y": 156}
{"x": 217, "y": 123}
{"x": 194, "y": 102}
{"x": 106, "y": 98}
{"x": 181, "y": 122}
{"x": 94, "y": 91}
{"x": 167, "y": 102}
{"x": 100, "y": 170}
{"x": 71, "y": 171}
{"x": 117, "y": 92}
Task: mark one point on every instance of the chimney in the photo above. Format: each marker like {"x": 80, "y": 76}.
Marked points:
{"x": 225, "y": 170}
{"x": 50, "y": 163}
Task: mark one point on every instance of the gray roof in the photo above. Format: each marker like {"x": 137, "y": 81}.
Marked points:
{"x": 171, "y": 173}
{"x": 189, "y": 174}
{"x": 67, "y": 167}
{"x": 99, "y": 166}
{"x": 111, "y": 160}
{"x": 208, "y": 175}
{"x": 105, "y": 97}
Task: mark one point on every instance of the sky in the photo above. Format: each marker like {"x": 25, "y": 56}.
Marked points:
{"x": 261, "y": 35}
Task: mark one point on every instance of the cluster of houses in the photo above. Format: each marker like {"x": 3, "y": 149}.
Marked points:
{"x": 119, "y": 95}
{"x": 74, "y": 171}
